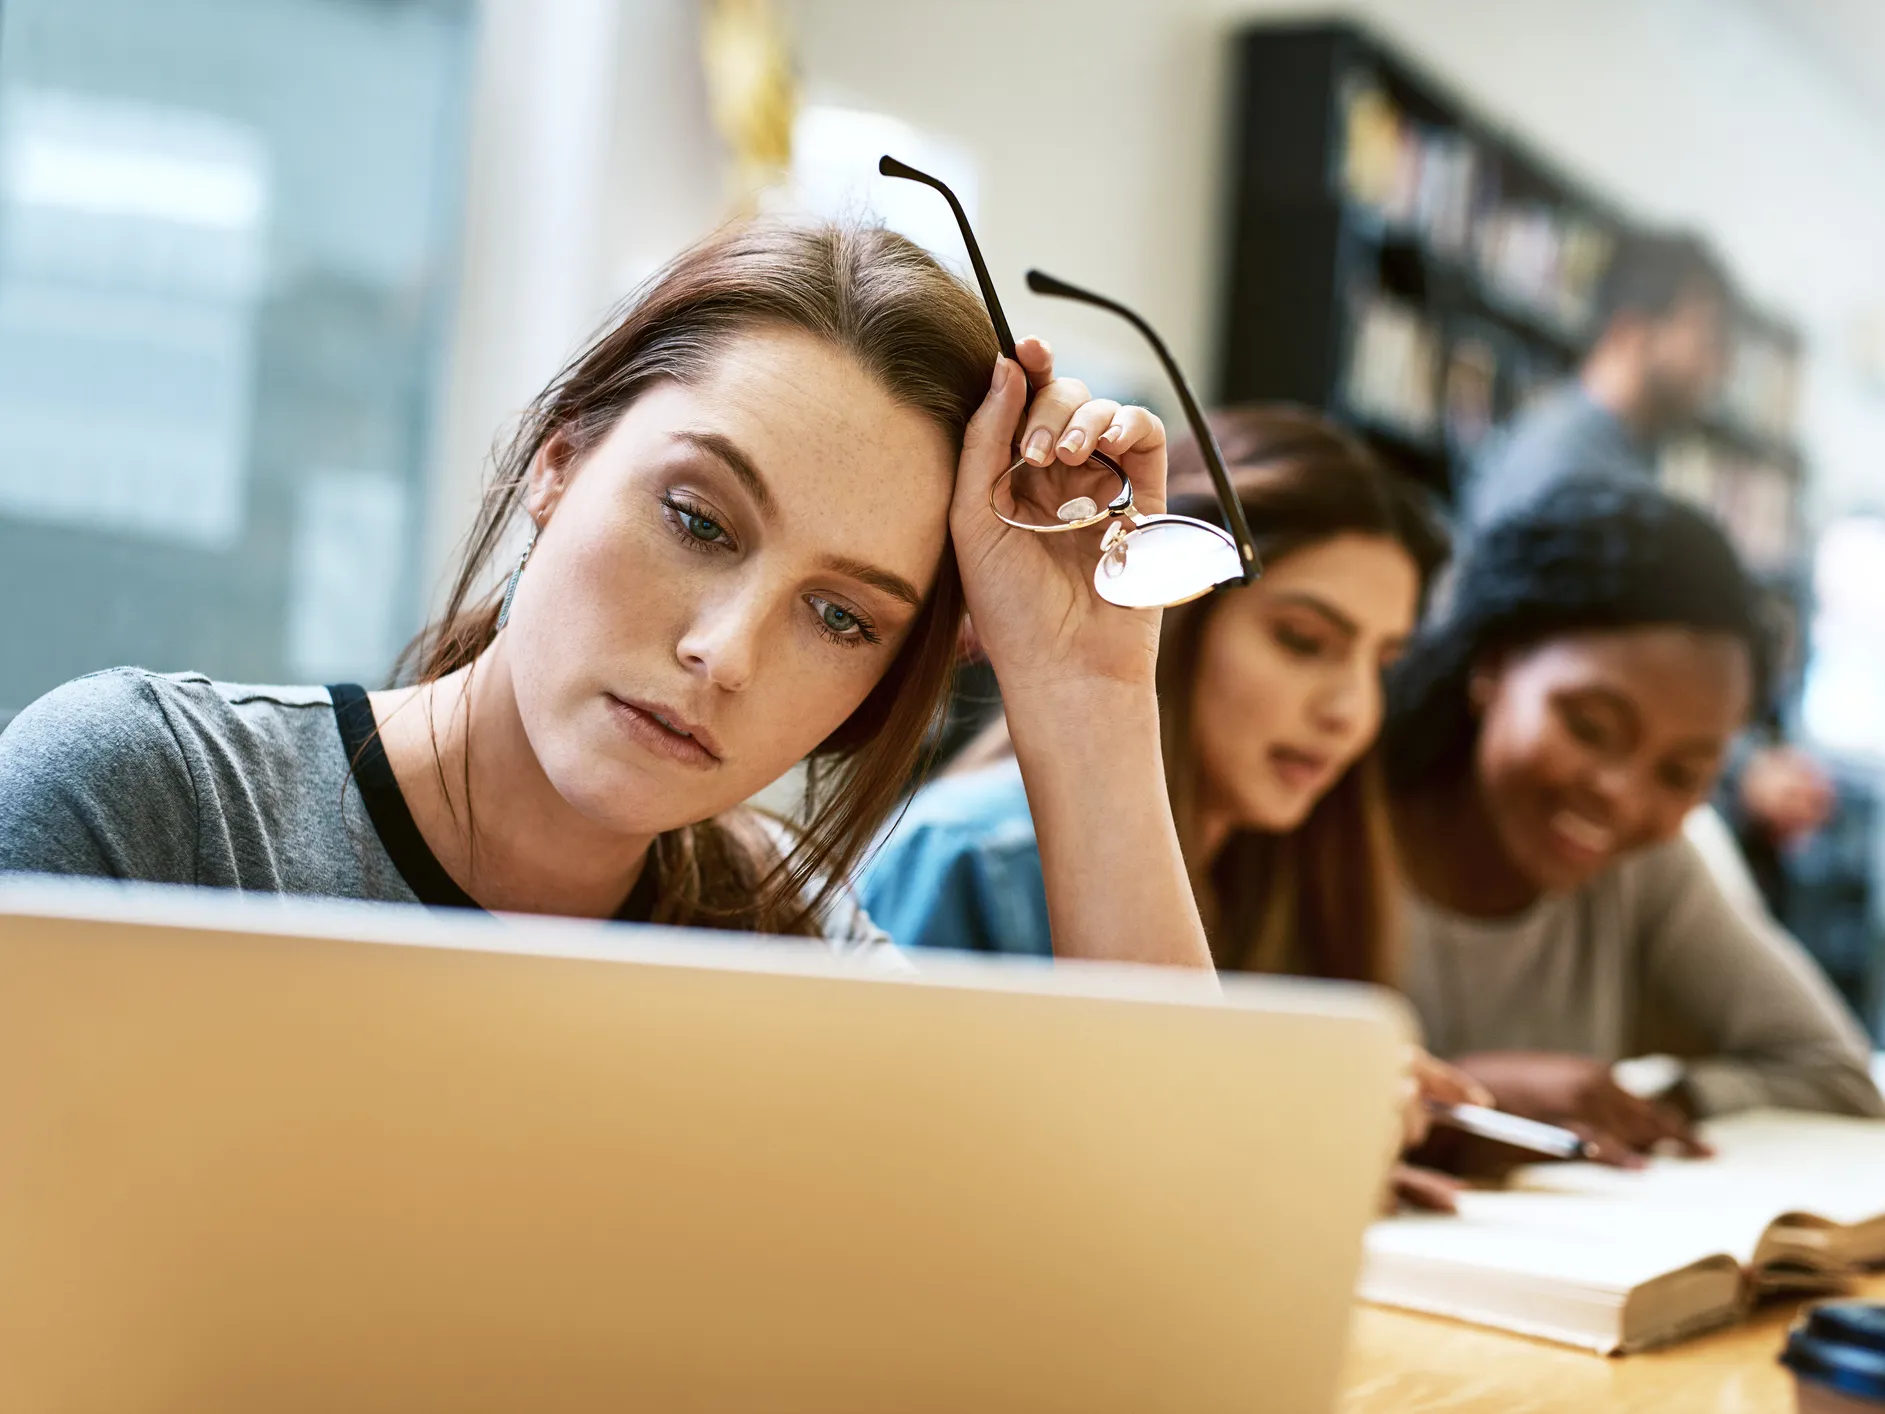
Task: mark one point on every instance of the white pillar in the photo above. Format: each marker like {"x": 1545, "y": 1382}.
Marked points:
{"x": 533, "y": 260}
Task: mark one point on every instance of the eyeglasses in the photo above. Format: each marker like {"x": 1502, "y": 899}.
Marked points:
{"x": 1146, "y": 561}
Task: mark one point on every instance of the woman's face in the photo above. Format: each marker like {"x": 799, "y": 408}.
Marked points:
{"x": 722, "y": 579}
{"x": 1597, "y": 744}
{"x": 1288, "y": 692}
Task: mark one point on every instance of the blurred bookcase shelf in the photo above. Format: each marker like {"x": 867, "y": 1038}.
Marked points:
{"x": 1401, "y": 262}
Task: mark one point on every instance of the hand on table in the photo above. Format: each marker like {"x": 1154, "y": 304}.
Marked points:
{"x": 1579, "y": 1093}
{"x": 1429, "y": 1081}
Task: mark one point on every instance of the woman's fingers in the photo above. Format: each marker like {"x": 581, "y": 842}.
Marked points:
{"x": 1053, "y": 408}
{"x": 1084, "y": 429}
{"x": 1133, "y": 429}
{"x": 1605, "y": 1148}
{"x": 1644, "y": 1124}
{"x": 1037, "y": 361}
{"x": 1444, "y": 1084}
{"x": 1423, "y": 1188}
{"x": 988, "y": 440}
{"x": 1674, "y": 1127}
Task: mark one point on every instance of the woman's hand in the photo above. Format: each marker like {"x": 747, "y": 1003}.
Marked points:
{"x": 1031, "y": 596}
{"x": 1077, "y": 675}
{"x": 1412, "y": 1187}
{"x": 1429, "y": 1082}
{"x": 1579, "y": 1093}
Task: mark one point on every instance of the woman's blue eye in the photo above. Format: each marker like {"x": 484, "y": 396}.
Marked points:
{"x": 837, "y": 622}
{"x": 701, "y": 527}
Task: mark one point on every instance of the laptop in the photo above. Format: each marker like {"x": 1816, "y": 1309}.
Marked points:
{"x": 293, "y": 1156}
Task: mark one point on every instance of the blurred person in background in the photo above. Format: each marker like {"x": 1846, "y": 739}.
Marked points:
{"x": 1546, "y": 737}
{"x": 753, "y": 511}
{"x": 1270, "y": 706}
{"x": 1657, "y": 362}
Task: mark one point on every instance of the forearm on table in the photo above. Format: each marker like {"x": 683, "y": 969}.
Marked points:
{"x": 1833, "y": 1082}
{"x": 1116, "y": 883}
{"x": 1777, "y": 1032}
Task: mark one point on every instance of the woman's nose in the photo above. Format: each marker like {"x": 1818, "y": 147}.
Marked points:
{"x": 1350, "y": 702}
{"x": 722, "y": 643}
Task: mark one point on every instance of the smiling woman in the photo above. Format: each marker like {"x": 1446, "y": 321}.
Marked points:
{"x": 1546, "y": 740}
{"x": 753, "y": 511}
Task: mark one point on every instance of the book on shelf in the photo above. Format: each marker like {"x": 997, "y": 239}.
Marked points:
{"x": 1761, "y": 390}
{"x": 1617, "y": 1261}
{"x": 1753, "y": 499}
{"x": 1393, "y": 376}
{"x": 1432, "y": 182}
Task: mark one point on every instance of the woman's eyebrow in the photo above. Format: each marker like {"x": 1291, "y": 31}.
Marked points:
{"x": 895, "y": 585}
{"x": 1318, "y": 605}
{"x": 1604, "y": 693}
{"x": 725, "y": 450}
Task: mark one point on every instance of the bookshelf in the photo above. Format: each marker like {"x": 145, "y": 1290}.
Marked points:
{"x": 1401, "y": 262}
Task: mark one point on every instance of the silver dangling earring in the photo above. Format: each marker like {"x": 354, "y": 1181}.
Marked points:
{"x": 510, "y": 589}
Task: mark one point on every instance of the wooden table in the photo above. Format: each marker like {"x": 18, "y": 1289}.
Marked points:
{"x": 1401, "y": 1363}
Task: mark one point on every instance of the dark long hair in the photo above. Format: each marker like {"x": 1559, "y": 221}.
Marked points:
{"x": 1327, "y": 890}
{"x": 926, "y": 338}
{"x": 1589, "y": 554}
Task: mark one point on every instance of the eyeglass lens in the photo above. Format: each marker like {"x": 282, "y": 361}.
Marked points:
{"x": 1054, "y": 495}
{"x": 1164, "y": 561}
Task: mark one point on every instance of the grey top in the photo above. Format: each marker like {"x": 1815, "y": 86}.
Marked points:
{"x": 1565, "y": 435}
{"x": 176, "y": 779}
{"x": 1651, "y": 957}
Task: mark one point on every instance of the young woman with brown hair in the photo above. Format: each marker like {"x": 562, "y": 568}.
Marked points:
{"x": 1270, "y": 702}
{"x": 751, "y": 514}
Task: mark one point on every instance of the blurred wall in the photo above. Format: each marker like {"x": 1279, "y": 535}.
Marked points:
{"x": 1098, "y": 127}
{"x": 1707, "y": 112}
{"x": 591, "y": 164}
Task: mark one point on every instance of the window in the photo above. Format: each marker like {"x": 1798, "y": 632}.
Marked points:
{"x": 226, "y": 247}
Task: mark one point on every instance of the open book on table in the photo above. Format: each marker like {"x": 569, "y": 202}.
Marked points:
{"x": 1616, "y": 1260}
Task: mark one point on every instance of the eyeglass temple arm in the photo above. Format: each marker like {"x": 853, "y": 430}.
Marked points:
{"x": 1042, "y": 283}
{"x": 890, "y": 167}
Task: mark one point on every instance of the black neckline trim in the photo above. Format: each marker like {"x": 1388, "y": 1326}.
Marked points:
{"x": 386, "y": 803}
{"x": 399, "y": 833}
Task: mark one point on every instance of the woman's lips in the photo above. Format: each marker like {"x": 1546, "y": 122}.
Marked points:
{"x": 662, "y": 732}
{"x": 1577, "y": 837}
{"x": 1299, "y": 770}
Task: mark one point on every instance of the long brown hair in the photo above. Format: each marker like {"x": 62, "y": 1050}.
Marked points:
{"x": 927, "y": 340}
{"x": 1322, "y": 898}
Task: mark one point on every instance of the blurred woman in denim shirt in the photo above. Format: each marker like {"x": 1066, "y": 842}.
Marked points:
{"x": 1270, "y": 704}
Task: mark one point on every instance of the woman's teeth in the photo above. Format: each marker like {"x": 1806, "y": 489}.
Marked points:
{"x": 1584, "y": 832}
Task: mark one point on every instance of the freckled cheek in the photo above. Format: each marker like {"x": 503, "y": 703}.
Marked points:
{"x": 618, "y": 592}
{"x": 804, "y": 696}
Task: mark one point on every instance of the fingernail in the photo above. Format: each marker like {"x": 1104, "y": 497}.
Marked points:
{"x": 1073, "y": 441}
{"x": 1001, "y": 374}
{"x": 1040, "y": 446}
